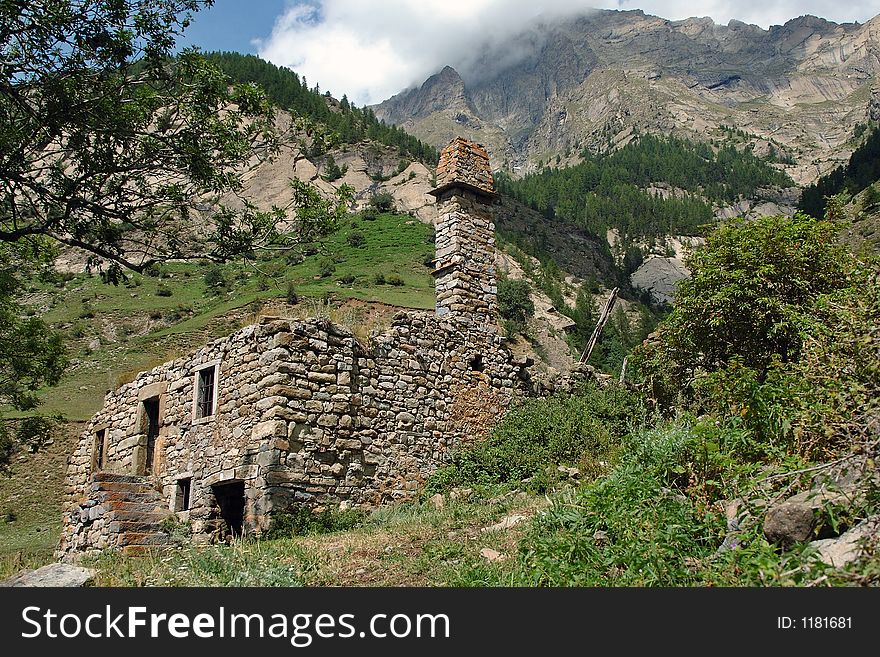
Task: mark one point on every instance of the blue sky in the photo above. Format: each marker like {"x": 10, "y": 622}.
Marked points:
{"x": 372, "y": 49}
{"x": 233, "y": 24}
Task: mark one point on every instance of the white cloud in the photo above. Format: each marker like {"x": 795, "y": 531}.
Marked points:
{"x": 372, "y": 50}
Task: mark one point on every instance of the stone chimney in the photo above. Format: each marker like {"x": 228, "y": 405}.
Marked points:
{"x": 466, "y": 286}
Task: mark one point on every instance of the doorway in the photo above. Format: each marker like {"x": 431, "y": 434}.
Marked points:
{"x": 230, "y": 501}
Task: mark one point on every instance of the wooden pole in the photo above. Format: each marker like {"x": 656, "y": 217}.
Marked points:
{"x": 623, "y": 370}
{"x": 603, "y": 318}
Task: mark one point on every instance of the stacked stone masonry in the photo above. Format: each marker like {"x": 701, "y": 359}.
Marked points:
{"x": 463, "y": 162}
{"x": 285, "y": 413}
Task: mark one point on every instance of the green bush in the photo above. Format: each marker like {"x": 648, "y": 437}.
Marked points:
{"x": 326, "y": 267}
{"x": 515, "y": 301}
{"x": 379, "y": 278}
{"x": 302, "y": 521}
{"x": 751, "y": 291}
{"x": 214, "y": 279}
{"x": 355, "y": 239}
{"x": 163, "y": 291}
{"x": 749, "y": 301}
{"x": 394, "y": 279}
{"x": 369, "y": 213}
{"x": 382, "y": 202}
{"x": 537, "y": 436}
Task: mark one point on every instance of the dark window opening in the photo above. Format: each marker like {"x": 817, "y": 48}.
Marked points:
{"x": 230, "y": 501}
{"x": 476, "y": 363}
{"x": 205, "y": 394}
{"x": 181, "y": 500}
{"x": 98, "y": 460}
{"x": 151, "y": 428}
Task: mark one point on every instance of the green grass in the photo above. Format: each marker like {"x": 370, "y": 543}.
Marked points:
{"x": 31, "y": 494}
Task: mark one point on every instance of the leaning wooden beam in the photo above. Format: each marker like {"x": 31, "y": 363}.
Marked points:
{"x": 603, "y": 318}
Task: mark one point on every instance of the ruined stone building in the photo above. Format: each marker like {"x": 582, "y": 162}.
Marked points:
{"x": 287, "y": 413}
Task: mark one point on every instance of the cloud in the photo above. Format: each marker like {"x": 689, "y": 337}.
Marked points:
{"x": 372, "y": 50}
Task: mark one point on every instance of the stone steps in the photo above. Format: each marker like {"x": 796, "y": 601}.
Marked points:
{"x": 144, "y": 524}
{"x": 112, "y": 477}
{"x": 136, "y": 507}
{"x": 103, "y": 497}
{"x": 134, "y": 511}
{"x": 138, "y": 514}
{"x": 142, "y": 539}
{"x": 124, "y": 487}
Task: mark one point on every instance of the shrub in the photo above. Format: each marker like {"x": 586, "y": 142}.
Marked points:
{"x": 536, "y": 437}
{"x": 379, "y": 278}
{"x": 348, "y": 279}
{"x": 291, "y": 297}
{"x": 163, "y": 292}
{"x": 749, "y": 302}
{"x": 382, "y": 201}
{"x": 394, "y": 279}
{"x": 214, "y": 278}
{"x": 355, "y": 239}
{"x": 326, "y": 267}
{"x": 369, "y": 213}
{"x": 302, "y": 521}
{"x": 515, "y": 302}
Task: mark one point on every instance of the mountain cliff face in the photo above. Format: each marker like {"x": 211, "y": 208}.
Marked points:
{"x": 797, "y": 90}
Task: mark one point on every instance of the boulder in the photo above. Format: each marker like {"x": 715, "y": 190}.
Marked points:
{"x": 848, "y": 547}
{"x": 797, "y": 519}
{"x": 54, "y": 575}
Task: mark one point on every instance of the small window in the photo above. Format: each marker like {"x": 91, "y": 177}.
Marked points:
{"x": 476, "y": 363}
{"x": 99, "y": 451}
{"x": 206, "y": 379}
{"x": 181, "y": 497}
{"x": 150, "y": 419}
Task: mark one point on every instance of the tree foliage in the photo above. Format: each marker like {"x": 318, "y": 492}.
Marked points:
{"x": 862, "y": 170}
{"x": 609, "y": 190}
{"x": 346, "y": 122}
{"x": 750, "y": 303}
{"x": 31, "y": 354}
{"x": 110, "y": 144}
{"x": 515, "y": 301}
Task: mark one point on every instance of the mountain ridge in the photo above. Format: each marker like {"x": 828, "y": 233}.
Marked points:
{"x": 593, "y": 80}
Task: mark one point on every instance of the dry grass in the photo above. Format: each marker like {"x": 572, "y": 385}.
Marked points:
{"x": 403, "y": 545}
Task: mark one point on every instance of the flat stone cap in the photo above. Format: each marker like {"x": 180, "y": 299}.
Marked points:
{"x": 464, "y": 163}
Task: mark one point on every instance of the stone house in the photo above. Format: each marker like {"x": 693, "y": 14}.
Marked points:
{"x": 287, "y": 413}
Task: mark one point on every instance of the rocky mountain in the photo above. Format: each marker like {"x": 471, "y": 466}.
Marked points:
{"x": 796, "y": 90}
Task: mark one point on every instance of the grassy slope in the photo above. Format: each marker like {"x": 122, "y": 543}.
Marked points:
{"x": 139, "y": 329}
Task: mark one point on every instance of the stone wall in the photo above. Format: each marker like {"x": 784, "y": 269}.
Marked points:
{"x": 305, "y": 415}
